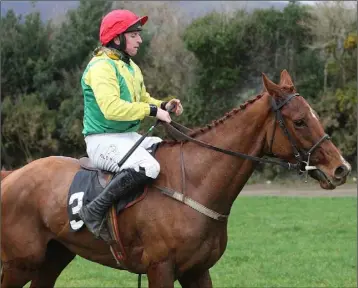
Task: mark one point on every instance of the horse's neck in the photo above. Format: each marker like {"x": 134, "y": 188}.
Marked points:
{"x": 219, "y": 178}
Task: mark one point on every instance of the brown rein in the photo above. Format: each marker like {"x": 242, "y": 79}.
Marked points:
{"x": 184, "y": 137}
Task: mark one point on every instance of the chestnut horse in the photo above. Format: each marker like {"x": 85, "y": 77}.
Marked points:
{"x": 162, "y": 237}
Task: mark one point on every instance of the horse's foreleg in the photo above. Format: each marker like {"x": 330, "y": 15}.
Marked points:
{"x": 161, "y": 275}
{"x": 57, "y": 258}
{"x": 196, "y": 280}
{"x": 12, "y": 276}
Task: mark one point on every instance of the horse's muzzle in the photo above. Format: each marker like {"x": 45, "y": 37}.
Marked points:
{"x": 340, "y": 176}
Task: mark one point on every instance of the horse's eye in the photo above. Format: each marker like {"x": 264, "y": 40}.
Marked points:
{"x": 299, "y": 123}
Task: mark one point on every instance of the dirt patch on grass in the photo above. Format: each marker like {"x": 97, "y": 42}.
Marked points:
{"x": 304, "y": 190}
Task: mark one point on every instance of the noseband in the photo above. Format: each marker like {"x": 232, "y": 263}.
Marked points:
{"x": 302, "y": 156}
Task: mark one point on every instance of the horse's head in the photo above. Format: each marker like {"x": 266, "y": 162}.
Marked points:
{"x": 299, "y": 136}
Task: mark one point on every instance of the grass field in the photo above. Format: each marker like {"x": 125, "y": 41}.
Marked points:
{"x": 273, "y": 242}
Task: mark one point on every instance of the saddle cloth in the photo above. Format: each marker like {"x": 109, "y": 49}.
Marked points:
{"x": 90, "y": 182}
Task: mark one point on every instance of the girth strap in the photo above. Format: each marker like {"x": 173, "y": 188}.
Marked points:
{"x": 192, "y": 203}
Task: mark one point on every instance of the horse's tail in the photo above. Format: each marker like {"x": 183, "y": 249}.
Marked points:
{"x": 5, "y": 173}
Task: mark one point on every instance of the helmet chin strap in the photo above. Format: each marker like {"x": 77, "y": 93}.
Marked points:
{"x": 124, "y": 56}
{"x": 122, "y": 45}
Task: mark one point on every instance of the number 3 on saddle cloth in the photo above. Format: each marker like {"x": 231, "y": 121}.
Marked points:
{"x": 90, "y": 182}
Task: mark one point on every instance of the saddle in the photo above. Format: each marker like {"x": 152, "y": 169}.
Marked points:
{"x": 103, "y": 176}
{"x": 87, "y": 184}
{"x": 90, "y": 181}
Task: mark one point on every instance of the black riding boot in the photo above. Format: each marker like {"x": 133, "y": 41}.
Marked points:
{"x": 122, "y": 183}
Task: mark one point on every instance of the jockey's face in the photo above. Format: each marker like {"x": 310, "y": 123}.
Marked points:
{"x": 133, "y": 41}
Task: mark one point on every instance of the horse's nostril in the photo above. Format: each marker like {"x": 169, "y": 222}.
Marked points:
{"x": 341, "y": 172}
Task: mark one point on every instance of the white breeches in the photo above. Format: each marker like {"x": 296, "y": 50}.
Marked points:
{"x": 106, "y": 150}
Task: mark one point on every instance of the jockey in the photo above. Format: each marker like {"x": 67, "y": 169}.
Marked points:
{"x": 115, "y": 102}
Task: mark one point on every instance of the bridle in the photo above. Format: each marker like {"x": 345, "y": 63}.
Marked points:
{"x": 302, "y": 157}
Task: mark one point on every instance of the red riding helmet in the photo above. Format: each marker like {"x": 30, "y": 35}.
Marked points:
{"x": 117, "y": 22}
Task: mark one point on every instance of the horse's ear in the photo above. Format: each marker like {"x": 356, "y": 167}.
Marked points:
{"x": 270, "y": 87}
{"x": 285, "y": 79}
